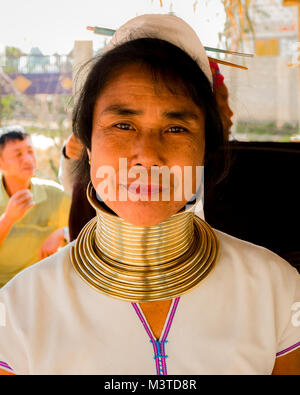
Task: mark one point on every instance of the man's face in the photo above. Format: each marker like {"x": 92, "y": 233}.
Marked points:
{"x": 18, "y": 160}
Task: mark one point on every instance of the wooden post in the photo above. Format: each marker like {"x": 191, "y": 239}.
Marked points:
{"x": 82, "y": 53}
{"x": 298, "y": 61}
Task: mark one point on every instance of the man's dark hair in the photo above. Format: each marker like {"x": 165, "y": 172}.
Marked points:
{"x": 11, "y": 133}
{"x": 177, "y": 71}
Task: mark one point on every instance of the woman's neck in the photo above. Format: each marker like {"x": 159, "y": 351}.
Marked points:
{"x": 144, "y": 263}
{"x": 140, "y": 245}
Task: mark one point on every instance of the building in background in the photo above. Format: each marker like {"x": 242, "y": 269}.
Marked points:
{"x": 275, "y": 28}
{"x": 265, "y": 98}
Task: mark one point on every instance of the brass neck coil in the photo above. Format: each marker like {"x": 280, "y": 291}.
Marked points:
{"x": 146, "y": 263}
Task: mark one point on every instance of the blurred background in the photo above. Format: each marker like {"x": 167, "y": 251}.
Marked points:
{"x": 44, "y": 44}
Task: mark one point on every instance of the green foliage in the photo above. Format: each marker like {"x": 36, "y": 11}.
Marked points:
{"x": 12, "y": 62}
{"x": 8, "y": 106}
{"x": 13, "y": 52}
{"x": 265, "y": 131}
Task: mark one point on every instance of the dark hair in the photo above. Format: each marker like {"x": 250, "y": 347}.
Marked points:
{"x": 11, "y": 133}
{"x": 169, "y": 64}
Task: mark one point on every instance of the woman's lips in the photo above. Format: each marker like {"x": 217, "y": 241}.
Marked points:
{"x": 140, "y": 189}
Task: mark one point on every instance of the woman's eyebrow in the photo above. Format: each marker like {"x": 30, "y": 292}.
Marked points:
{"x": 182, "y": 115}
{"x": 120, "y": 109}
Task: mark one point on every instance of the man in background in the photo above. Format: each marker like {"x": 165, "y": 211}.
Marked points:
{"x": 34, "y": 213}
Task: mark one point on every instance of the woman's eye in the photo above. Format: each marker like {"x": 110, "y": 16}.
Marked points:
{"x": 124, "y": 126}
{"x": 177, "y": 129}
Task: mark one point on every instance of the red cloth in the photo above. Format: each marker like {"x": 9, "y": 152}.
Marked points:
{"x": 218, "y": 78}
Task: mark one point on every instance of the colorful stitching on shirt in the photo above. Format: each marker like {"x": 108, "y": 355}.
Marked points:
{"x": 158, "y": 345}
{"x": 161, "y": 356}
{"x": 5, "y": 365}
{"x": 293, "y": 347}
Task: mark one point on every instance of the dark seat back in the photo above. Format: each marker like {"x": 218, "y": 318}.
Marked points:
{"x": 260, "y": 199}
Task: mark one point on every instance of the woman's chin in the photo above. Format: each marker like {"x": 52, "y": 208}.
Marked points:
{"x": 145, "y": 213}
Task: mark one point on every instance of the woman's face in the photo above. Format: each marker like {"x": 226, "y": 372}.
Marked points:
{"x": 139, "y": 129}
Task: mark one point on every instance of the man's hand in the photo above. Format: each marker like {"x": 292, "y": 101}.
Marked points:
{"x": 73, "y": 147}
{"x": 16, "y": 208}
{"x": 18, "y": 205}
{"x": 52, "y": 243}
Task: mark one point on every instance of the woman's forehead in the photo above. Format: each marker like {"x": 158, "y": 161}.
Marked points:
{"x": 139, "y": 86}
{"x": 137, "y": 79}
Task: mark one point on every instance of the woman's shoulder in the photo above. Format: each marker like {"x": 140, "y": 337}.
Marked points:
{"x": 37, "y": 295}
{"x": 249, "y": 257}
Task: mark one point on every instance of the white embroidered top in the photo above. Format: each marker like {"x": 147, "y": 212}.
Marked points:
{"x": 243, "y": 315}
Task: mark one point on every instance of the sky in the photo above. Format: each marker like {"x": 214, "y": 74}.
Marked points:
{"x": 54, "y": 25}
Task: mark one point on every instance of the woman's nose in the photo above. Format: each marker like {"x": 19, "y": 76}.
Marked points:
{"x": 148, "y": 151}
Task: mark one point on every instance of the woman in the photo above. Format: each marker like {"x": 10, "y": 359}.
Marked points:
{"x": 148, "y": 287}
{"x": 72, "y": 150}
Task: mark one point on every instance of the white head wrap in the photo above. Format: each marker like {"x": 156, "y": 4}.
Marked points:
{"x": 165, "y": 27}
